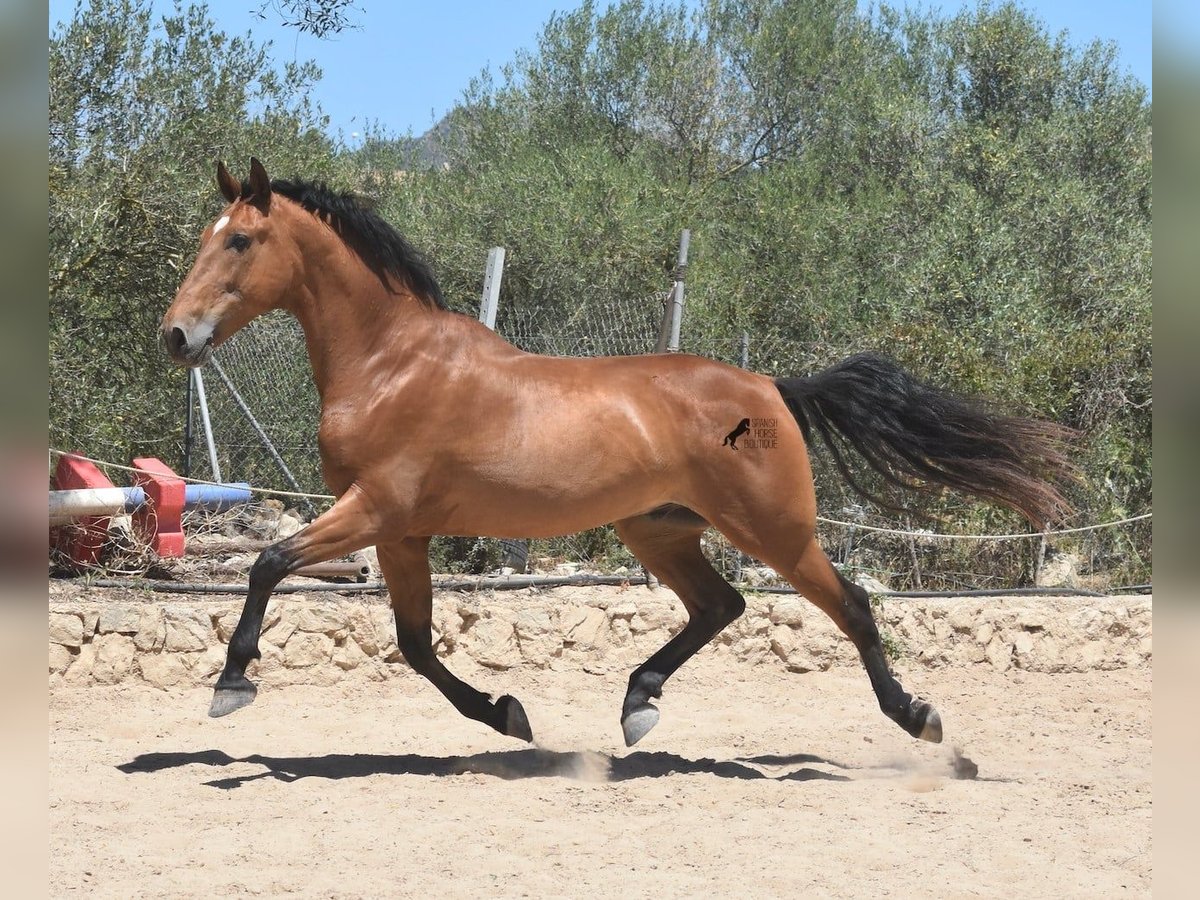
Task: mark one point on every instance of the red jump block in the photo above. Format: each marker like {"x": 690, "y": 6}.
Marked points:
{"x": 159, "y": 518}
{"x": 82, "y": 541}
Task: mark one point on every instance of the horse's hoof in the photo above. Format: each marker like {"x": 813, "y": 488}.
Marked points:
{"x": 516, "y": 723}
{"x": 638, "y": 722}
{"x": 931, "y": 728}
{"x": 231, "y": 696}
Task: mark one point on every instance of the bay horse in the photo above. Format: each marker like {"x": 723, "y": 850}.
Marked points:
{"x": 431, "y": 424}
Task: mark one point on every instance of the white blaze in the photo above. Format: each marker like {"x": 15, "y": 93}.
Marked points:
{"x": 221, "y": 223}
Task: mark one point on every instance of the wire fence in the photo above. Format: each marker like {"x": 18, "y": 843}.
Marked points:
{"x": 616, "y": 327}
{"x": 264, "y": 413}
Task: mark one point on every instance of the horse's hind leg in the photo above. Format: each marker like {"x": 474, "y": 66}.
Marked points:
{"x": 669, "y": 546}
{"x": 343, "y": 528}
{"x": 813, "y": 575}
{"x": 405, "y": 567}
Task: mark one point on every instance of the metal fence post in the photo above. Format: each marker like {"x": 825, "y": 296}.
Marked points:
{"x": 188, "y": 421}
{"x": 514, "y": 552}
{"x": 677, "y": 301}
{"x": 208, "y": 432}
{"x": 489, "y": 302}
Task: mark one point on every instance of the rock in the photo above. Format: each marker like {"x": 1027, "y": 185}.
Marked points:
{"x": 279, "y": 633}
{"x": 289, "y": 523}
{"x": 114, "y": 658}
{"x": 961, "y": 617}
{"x": 658, "y": 613}
{"x": 349, "y": 655}
{"x": 1048, "y": 656}
{"x": 447, "y": 628}
{"x": 362, "y": 629}
{"x": 583, "y": 626}
{"x": 385, "y": 633}
{"x": 620, "y": 631}
{"x": 983, "y": 635}
{"x": 756, "y": 576}
{"x": 626, "y": 609}
{"x": 1059, "y": 570}
{"x": 80, "y": 671}
{"x": 306, "y": 648}
{"x": 788, "y": 609}
{"x": 532, "y": 623}
{"x": 1031, "y": 619}
{"x": 60, "y": 658}
{"x": 493, "y": 644}
{"x": 537, "y": 636}
{"x": 225, "y": 623}
{"x": 186, "y": 629}
{"x": 1092, "y": 655}
{"x": 1022, "y": 646}
{"x": 66, "y": 629}
{"x": 119, "y": 619}
{"x": 1087, "y": 622}
{"x": 784, "y": 641}
{"x": 208, "y": 664}
{"x": 152, "y": 629}
{"x": 270, "y": 663}
{"x": 999, "y": 654}
{"x": 941, "y": 631}
{"x": 163, "y": 670}
{"x": 325, "y": 619}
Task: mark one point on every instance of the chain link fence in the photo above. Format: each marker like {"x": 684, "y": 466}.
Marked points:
{"x": 264, "y": 412}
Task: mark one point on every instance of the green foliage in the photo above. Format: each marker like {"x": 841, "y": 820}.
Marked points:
{"x": 971, "y": 194}
{"x": 139, "y": 111}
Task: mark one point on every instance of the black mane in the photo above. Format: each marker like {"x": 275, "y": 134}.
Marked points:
{"x": 377, "y": 243}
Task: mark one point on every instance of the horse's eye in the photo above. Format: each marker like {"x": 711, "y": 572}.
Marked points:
{"x": 238, "y": 242}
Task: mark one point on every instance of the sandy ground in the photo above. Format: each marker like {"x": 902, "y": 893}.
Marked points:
{"x": 756, "y": 783}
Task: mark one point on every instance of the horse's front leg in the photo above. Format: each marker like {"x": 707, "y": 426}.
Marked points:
{"x": 348, "y": 525}
{"x": 405, "y": 567}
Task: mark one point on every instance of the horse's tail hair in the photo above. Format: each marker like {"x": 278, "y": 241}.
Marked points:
{"x": 918, "y": 436}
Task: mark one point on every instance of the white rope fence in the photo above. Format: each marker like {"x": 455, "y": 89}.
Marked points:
{"x": 935, "y": 536}
{"x": 924, "y": 535}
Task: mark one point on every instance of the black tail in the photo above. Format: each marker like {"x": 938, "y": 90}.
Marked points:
{"x": 909, "y": 430}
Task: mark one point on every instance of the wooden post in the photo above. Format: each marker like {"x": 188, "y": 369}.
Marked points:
{"x": 489, "y": 302}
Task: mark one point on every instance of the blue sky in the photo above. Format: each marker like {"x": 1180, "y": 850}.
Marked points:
{"x": 409, "y": 62}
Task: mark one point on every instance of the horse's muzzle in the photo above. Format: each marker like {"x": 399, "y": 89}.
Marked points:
{"x": 185, "y": 349}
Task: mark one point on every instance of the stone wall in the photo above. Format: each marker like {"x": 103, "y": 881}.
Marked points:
{"x": 98, "y": 638}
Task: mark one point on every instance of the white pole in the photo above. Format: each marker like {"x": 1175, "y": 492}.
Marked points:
{"x": 67, "y": 506}
{"x": 680, "y": 271}
{"x": 208, "y": 432}
{"x": 490, "y": 300}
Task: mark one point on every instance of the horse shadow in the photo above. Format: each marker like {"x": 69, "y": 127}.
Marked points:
{"x": 508, "y": 765}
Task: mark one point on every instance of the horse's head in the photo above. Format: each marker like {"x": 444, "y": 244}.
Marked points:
{"x": 243, "y": 269}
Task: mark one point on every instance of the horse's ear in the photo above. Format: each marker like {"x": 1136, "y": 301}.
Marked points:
{"x": 231, "y": 189}
{"x": 260, "y": 184}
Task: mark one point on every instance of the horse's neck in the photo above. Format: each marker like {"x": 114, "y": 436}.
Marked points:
{"x": 356, "y": 334}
